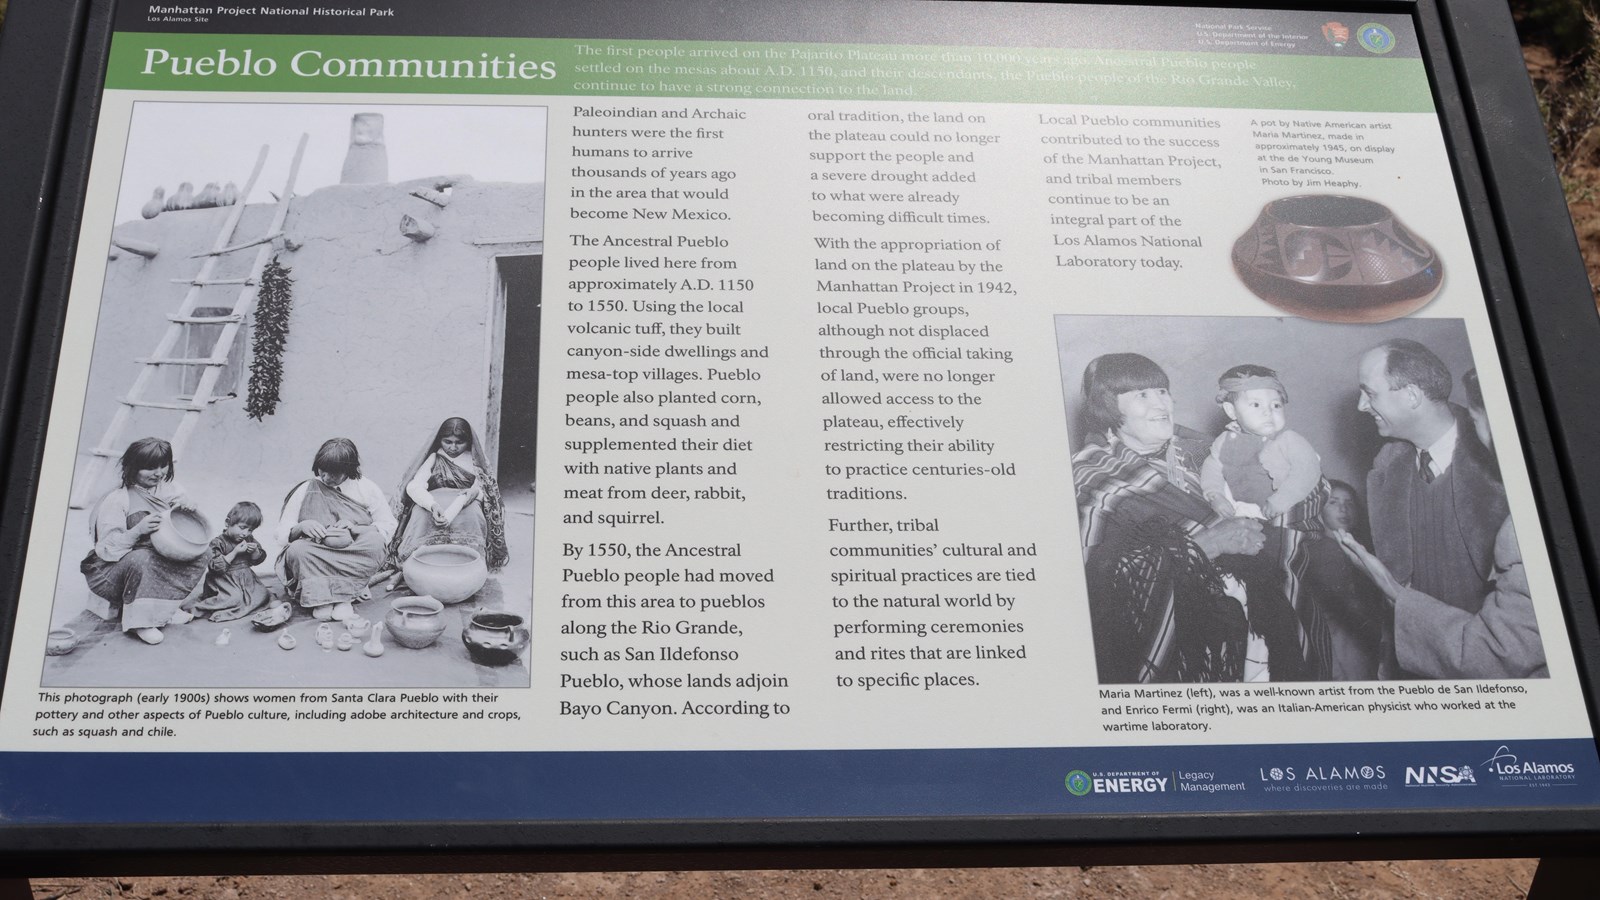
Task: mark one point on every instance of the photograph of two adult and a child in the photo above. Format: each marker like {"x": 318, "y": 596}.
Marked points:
{"x": 1277, "y": 499}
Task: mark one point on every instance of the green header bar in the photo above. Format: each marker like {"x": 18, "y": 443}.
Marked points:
{"x": 719, "y": 69}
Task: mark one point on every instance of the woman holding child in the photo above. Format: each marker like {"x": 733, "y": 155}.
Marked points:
{"x": 144, "y": 588}
{"x": 333, "y": 528}
{"x": 450, "y": 497}
{"x": 1174, "y": 592}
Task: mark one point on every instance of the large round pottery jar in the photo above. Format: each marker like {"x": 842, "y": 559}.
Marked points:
{"x": 448, "y": 573}
{"x": 415, "y": 622}
{"x": 1336, "y": 259}
{"x": 494, "y": 639}
{"x": 184, "y": 536}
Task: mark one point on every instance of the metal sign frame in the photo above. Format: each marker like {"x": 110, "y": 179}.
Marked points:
{"x": 52, "y": 57}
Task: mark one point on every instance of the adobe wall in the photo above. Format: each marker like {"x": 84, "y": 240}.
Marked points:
{"x": 387, "y": 336}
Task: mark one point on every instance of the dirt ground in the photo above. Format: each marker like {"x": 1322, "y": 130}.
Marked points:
{"x": 190, "y": 656}
{"x": 1345, "y": 881}
{"x": 1583, "y": 194}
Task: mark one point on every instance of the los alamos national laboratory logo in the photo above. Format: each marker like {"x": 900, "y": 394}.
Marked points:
{"x": 1515, "y": 771}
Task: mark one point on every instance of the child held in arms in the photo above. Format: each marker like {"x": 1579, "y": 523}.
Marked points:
{"x": 1258, "y": 468}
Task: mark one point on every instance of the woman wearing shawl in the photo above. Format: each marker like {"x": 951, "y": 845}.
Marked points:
{"x": 333, "y": 528}
{"x": 142, "y": 587}
{"x": 450, "y": 497}
{"x": 1167, "y": 576}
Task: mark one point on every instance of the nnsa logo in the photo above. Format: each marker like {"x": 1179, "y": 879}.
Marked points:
{"x": 1444, "y": 775}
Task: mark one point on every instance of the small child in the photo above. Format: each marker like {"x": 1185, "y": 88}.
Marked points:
{"x": 232, "y": 590}
{"x": 1258, "y": 468}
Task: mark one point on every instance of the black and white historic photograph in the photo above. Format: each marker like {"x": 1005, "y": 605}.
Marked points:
{"x": 1277, "y": 499}
{"x": 306, "y": 449}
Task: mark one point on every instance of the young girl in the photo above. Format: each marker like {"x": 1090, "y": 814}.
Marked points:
{"x": 449, "y": 498}
{"x": 333, "y": 528}
{"x": 232, "y": 590}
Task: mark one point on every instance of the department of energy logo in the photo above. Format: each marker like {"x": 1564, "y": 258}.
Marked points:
{"x": 1081, "y": 783}
{"x": 1375, "y": 38}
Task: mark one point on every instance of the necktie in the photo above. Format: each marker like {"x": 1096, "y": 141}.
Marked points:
{"x": 1425, "y": 462}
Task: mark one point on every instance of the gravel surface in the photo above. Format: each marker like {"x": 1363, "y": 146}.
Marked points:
{"x": 1427, "y": 879}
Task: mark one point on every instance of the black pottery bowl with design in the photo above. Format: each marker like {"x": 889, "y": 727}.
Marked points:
{"x": 495, "y": 638}
{"x": 1335, "y": 258}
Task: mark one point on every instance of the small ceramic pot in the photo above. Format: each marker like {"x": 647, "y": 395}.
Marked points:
{"x": 60, "y": 642}
{"x": 337, "y": 538}
{"x": 183, "y": 536}
{"x": 272, "y": 616}
{"x": 1336, "y": 259}
{"x": 415, "y": 622}
{"x": 448, "y": 573}
{"x": 494, "y": 639}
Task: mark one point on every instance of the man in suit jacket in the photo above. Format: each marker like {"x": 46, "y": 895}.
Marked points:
{"x": 1434, "y": 491}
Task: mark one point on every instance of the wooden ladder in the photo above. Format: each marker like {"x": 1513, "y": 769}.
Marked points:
{"x": 108, "y": 449}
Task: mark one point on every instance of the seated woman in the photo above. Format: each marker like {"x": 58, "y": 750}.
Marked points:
{"x": 333, "y": 529}
{"x": 1175, "y": 591}
{"x": 144, "y": 588}
{"x": 450, "y": 498}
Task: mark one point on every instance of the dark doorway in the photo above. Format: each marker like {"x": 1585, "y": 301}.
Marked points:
{"x": 519, "y": 279}
{"x": 198, "y": 341}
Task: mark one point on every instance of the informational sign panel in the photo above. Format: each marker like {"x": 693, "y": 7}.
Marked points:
{"x": 981, "y": 410}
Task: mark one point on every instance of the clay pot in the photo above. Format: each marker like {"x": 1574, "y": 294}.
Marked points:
{"x": 272, "y": 616}
{"x": 415, "y": 622}
{"x": 374, "y": 645}
{"x": 183, "y": 536}
{"x": 60, "y": 642}
{"x": 337, "y": 538}
{"x": 494, "y": 639}
{"x": 446, "y": 572}
{"x": 1336, "y": 259}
